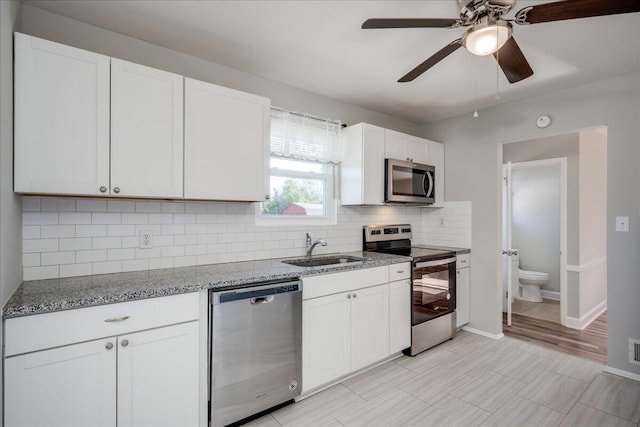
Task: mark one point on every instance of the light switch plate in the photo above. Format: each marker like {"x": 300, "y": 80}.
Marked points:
{"x": 622, "y": 223}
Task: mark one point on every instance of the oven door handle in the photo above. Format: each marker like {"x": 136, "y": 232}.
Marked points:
{"x": 434, "y": 263}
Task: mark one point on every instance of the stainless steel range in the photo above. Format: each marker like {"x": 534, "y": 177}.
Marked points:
{"x": 433, "y": 284}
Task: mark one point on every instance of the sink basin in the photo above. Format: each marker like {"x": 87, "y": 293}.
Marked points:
{"x": 316, "y": 262}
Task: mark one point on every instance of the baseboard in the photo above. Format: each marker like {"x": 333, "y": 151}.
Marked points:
{"x": 552, "y": 295}
{"x": 622, "y": 373}
{"x": 584, "y": 321}
{"x": 483, "y": 333}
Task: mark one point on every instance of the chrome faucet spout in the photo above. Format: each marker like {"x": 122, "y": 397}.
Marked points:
{"x": 311, "y": 245}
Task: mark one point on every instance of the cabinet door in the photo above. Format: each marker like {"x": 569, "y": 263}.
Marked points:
{"x": 462, "y": 296}
{"x": 67, "y": 386}
{"x": 146, "y": 131}
{"x": 399, "y": 315}
{"x": 61, "y": 118}
{"x": 326, "y": 347}
{"x": 158, "y": 377}
{"x": 395, "y": 145}
{"x": 369, "y": 325}
{"x": 417, "y": 150}
{"x": 373, "y": 165}
{"x": 226, "y": 143}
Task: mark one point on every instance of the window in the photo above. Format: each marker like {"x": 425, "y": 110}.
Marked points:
{"x": 303, "y": 157}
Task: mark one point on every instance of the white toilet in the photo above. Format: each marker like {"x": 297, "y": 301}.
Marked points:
{"x": 526, "y": 284}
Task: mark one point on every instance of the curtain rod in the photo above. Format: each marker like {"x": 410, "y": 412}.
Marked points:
{"x": 309, "y": 116}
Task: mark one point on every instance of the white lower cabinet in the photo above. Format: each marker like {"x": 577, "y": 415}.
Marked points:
{"x": 352, "y": 324}
{"x": 128, "y": 378}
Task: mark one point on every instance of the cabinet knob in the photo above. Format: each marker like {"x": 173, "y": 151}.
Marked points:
{"x": 108, "y": 346}
{"x": 267, "y": 196}
{"x": 103, "y": 189}
{"x": 125, "y": 343}
{"x": 399, "y": 271}
{"x": 116, "y": 189}
{"x": 458, "y": 272}
{"x": 348, "y": 296}
{"x": 354, "y": 295}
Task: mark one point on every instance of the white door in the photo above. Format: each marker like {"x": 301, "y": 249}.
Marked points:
{"x": 508, "y": 251}
{"x": 146, "y": 131}
{"x": 462, "y": 296}
{"x": 369, "y": 325}
{"x": 326, "y": 340}
{"x": 61, "y": 118}
{"x": 399, "y": 315}
{"x": 74, "y": 385}
{"x": 158, "y": 377}
{"x": 226, "y": 143}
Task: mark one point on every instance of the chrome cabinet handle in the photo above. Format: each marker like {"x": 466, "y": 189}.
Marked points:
{"x": 400, "y": 271}
{"x": 103, "y": 189}
{"x": 117, "y": 319}
{"x": 116, "y": 189}
{"x": 125, "y": 343}
{"x": 108, "y": 346}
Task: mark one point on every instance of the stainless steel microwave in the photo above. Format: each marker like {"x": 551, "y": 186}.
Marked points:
{"x": 408, "y": 182}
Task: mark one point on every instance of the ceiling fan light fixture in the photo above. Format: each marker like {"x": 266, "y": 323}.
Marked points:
{"x": 487, "y": 37}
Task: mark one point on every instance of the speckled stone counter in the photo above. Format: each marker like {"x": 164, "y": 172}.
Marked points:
{"x": 42, "y": 296}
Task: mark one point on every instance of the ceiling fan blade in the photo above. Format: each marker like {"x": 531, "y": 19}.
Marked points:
{"x": 409, "y": 23}
{"x": 433, "y": 60}
{"x": 512, "y": 61}
{"x": 573, "y": 9}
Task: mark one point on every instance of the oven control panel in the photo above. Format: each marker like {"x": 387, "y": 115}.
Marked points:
{"x": 378, "y": 233}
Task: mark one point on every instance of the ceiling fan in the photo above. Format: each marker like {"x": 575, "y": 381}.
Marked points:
{"x": 491, "y": 33}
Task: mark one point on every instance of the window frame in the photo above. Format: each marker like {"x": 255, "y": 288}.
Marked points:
{"x": 330, "y": 202}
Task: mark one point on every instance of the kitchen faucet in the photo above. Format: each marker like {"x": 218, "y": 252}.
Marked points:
{"x": 310, "y": 245}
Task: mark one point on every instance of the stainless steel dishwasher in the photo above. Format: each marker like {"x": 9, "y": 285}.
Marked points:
{"x": 256, "y": 349}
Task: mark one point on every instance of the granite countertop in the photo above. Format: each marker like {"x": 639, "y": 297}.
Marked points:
{"x": 43, "y": 296}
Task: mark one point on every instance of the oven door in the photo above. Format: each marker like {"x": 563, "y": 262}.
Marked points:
{"x": 433, "y": 289}
{"x": 408, "y": 182}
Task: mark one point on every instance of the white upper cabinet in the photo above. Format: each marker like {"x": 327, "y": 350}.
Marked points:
{"x": 401, "y": 146}
{"x": 362, "y": 171}
{"x": 61, "y": 118}
{"x": 146, "y": 131}
{"x": 226, "y": 143}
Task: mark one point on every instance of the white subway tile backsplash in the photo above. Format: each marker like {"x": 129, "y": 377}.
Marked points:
{"x": 39, "y": 245}
{"x": 30, "y": 231}
{"x": 106, "y": 218}
{"x": 39, "y": 218}
{"x": 75, "y": 218}
{"x": 94, "y": 255}
{"x": 89, "y": 205}
{"x": 91, "y": 230}
{"x": 57, "y": 231}
{"x": 106, "y": 233}
{"x": 56, "y": 258}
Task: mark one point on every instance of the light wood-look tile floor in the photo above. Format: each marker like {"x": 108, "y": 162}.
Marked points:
{"x": 473, "y": 381}
{"x": 545, "y": 310}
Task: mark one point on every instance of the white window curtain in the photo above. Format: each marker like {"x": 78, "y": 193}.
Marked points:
{"x": 303, "y": 137}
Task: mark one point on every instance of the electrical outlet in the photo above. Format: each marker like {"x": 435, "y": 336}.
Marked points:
{"x": 146, "y": 239}
{"x": 441, "y": 221}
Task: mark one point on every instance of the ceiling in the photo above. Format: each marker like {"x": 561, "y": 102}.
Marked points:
{"x": 319, "y": 46}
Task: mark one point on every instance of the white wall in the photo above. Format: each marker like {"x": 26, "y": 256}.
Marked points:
{"x": 10, "y": 217}
{"x": 535, "y": 221}
{"x": 473, "y": 162}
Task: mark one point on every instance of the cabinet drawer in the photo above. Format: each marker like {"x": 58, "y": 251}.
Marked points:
{"x": 464, "y": 260}
{"x": 41, "y": 331}
{"x": 327, "y": 284}
{"x": 399, "y": 271}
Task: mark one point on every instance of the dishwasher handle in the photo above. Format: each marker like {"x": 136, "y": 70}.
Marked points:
{"x": 262, "y": 300}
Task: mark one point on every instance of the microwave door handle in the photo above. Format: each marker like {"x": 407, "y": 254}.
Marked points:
{"x": 428, "y": 192}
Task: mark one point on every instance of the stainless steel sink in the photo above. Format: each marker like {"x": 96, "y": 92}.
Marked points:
{"x": 317, "y": 262}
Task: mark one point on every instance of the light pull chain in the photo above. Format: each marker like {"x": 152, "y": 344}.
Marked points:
{"x": 475, "y": 87}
